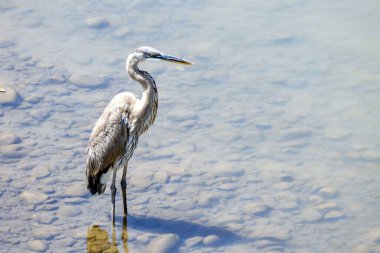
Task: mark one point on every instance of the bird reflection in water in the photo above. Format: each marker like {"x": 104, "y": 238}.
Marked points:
{"x": 98, "y": 239}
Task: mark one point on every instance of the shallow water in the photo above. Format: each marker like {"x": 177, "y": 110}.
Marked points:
{"x": 270, "y": 143}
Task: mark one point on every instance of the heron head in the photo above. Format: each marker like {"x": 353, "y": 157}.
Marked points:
{"x": 149, "y": 53}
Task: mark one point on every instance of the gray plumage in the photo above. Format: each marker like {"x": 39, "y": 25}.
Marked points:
{"x": 116, "y": 133}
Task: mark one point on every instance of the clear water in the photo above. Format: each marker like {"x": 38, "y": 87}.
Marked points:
{"x": 270, "y": 143}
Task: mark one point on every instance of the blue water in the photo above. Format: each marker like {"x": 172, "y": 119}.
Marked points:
{"x": 269, "y": 143}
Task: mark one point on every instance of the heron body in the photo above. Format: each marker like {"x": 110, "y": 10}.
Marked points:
{"x": 116, "y": 133}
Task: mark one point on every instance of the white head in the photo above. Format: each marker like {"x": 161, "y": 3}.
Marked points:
{"x": 149, "y": 53}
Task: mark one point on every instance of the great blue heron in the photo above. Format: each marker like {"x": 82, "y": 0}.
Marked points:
{"x": 115, "y": 134}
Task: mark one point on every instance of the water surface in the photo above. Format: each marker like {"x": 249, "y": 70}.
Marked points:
{"x": 270, "y": 143}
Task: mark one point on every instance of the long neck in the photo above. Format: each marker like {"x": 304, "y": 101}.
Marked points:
{"x": 147, "y": 106}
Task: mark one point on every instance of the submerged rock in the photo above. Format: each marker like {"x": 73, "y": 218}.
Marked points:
{"x": 182, "y": 205}
{"x": 46, "y": 232}
{"x": 263, "y": 126}
{"x": 161, "y": 177}
{"x": 328, "y": 192}
{"x": 283, "y": 186}
{"x": 97, "y": 22}
{"x": 273, "y": 235}
{"x": 235, "y": 227}
{"x": 226, "y": 171}
{"x": 286, "y": 201}
{"x": 163, "y": 243}
{"x": 33, "y": 99}
{"x": 76, "y": 190}
{"x": 9, "y": 138}
{"x": 8, "y": 96}
{"x": 228, "y": 187}
{"x": 40, "y": 172}
{"x": 69, "y": 211}
{"x": 193, "y": 241}
{"x": 211, "y": 240}
{"x": 34, "y": 197}
{"x": 87, "y": 81}
{"x": 143, "y": 238}
{"x": 311, "y": 215}
{"x": 327, "y": 206}
{"x": 39, "y": 115}
{"x": 256, "y": 208}
{"x": 37, "y": 245}
{"x": 46, "y": 217}
{"x": 334, "y": 215}
{"x": 316, "y": 199}
{"x": 207, "y": 199}
{"x": 11, "y": 151}
{"x": 122, "y": 31}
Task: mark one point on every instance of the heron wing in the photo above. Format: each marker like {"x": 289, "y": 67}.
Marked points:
{"x": 107, "y": 142}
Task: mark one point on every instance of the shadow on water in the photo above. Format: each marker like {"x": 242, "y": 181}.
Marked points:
{"x": 184, "y": 229}
{"x": 98, "y": 239}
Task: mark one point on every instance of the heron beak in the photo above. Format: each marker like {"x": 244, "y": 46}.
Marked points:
{"x": 173, "y": 59}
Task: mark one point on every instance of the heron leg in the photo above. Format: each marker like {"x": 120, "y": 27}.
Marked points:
{"x": 113, "y": 193}
{"x": 124, "y": 189}
{"x": 124, "y": 235}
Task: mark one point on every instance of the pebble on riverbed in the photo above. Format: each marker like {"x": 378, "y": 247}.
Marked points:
{"x": 207, "y": 199}
{"x": 226, "y": 171}
{"x": 40, "y": 172}
{"x": 193, "y": 241}
{"x": 76, "y": 190}
{"x": 296, "y": 133}
{"x": 34, "y": 197}
{"x": 161, "y": 177}
{"x": 328, "y": 192}
{"x": 270, "y": 234}
{"x": 286, "y": 201}
{"x": 183, "y": 205}
{"x": 256, "y": 208}
{"x": 69, "y": 211}
{"x": 163, "y": 243}
{"x": 211, "y": 240}
{"x": 8, "y": 96}
{"x": 44, "y": 217}
{"x": 122, "y": 31}
{"x": 311, "y": 215}
{"x": 283, "y": 186}
{"x": 327, "y": 206}
{"x": 87, "y": 81}
{"x": 334, "y": 215}
{"x": 97, "y": 22}
{"x": 46, "y": 232}
{"x": 9, "y": 139}
{"x": 37, "y": 245}
{"x": 33, "y": 99}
